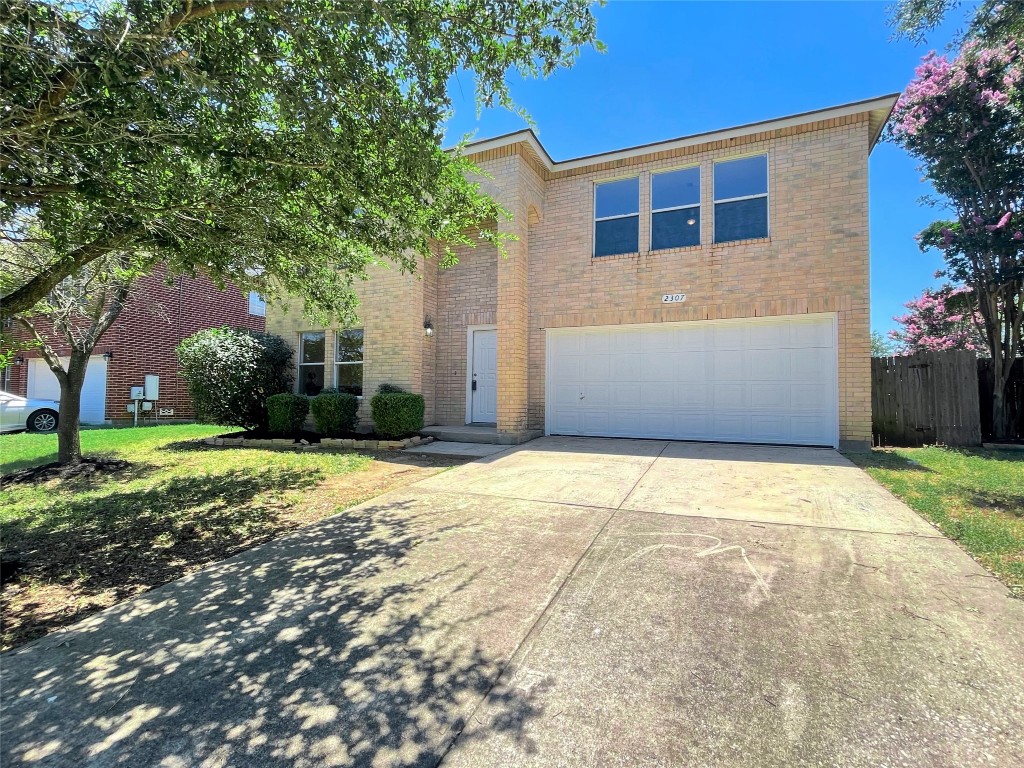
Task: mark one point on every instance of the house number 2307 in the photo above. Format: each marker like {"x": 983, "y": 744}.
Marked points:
{"x": 673, "y": 298}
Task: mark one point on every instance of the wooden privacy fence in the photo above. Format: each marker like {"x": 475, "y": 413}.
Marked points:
{"x": 1014, "y": 398}
{"x": 925, "y": 398}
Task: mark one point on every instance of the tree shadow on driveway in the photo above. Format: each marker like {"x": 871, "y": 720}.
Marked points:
{"x": 366, "y": 639}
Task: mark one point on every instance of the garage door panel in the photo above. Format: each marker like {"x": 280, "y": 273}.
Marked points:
{"x": 763, "y": 380}
{"x": 43, "y": 384}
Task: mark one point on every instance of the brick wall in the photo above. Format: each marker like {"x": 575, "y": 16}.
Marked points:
{"x": 144, "y": 337}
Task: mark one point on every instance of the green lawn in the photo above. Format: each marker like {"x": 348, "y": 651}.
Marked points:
{"x": 87, "y": 543}
{"x": 976, "y": 497}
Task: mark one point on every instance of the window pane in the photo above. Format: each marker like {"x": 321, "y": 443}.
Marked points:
{"x": 312, "y": 347}
{"x": 739, "y": 178}
{"x": 350, "y": 378}
{"x": 672, "y": 229}
{"x": 617, "y": 236}
{"x": 311, "y": 379}
{"x": 350, "y": 346}
{"x": 741, "y": 220}
{"x": 670, "y": 190}
{"x": 257, "y": 305}
{"x": 616, "y": 198}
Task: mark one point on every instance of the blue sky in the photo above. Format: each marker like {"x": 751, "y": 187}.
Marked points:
{"x": 676, "y": 68}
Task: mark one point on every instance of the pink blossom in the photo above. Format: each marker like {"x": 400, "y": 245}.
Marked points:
{"x": 1018, "y": 235}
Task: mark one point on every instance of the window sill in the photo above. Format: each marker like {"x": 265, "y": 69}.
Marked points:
{"x": 616, "y": 256}
{"x": 748, "y": 241}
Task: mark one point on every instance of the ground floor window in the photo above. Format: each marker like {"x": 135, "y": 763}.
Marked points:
{"x": 348, "y": 362}
{"x": 311, "y": 363}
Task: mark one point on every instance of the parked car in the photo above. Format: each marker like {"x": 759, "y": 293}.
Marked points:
{"x": 17, "y": 413}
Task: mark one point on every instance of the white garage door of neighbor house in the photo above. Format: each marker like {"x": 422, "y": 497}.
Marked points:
{"x": 43, "y": 384}
{"x": 768, "y": 380}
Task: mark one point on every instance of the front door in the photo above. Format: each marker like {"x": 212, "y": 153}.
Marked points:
{"x": 483, "y": 391}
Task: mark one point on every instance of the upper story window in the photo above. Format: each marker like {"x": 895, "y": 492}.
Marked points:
{"x": 257, "y": 304}
{"x": 675, "y": 208}
{"x": 348, "y": 362}
{"x": 617, "y": 217}
{"x": 741, "y": 199}
{"x": 311, "y": 362}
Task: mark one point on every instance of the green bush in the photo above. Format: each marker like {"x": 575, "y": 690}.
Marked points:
{"x": 397, "y": 414}
{"x": 230, "y": 373}
{"x": 287, "y": 412}
{"x": 335, "y": 412}
{"x": 388, "y": 389}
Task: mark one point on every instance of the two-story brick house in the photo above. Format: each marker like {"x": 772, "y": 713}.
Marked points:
{"x": 711, "y": 287}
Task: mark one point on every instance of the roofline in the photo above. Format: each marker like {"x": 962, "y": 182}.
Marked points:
{"x": 882, "y": 104}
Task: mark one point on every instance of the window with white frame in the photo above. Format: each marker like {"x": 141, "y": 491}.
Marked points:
{"x": 257, "y": 304}
{"x": 348, "y": 362}
{"x": 741, "y": 199}
{"x": 617, "y": 217}
{"x": 311, "y": 362}
{"x": 675, "y": 208}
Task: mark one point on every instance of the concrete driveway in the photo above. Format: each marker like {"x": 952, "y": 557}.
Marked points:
{"x": 571, "y": 602}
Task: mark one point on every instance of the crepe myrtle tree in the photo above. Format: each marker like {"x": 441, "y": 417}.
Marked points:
{"x": 941, "y": 319}
{"x": 279, "y": 145}
{"x": 964, "y": 120}
{"x": 990, "y": 20}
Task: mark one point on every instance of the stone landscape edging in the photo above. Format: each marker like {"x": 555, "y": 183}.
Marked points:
{"x": 326, "y": 443}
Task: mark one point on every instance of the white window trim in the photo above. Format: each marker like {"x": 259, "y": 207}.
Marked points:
{"x": 337, "y": 362}
{"x": 766, "y": 195}
{"x": 596, "y": 218}
{"x": 301, "y": 365}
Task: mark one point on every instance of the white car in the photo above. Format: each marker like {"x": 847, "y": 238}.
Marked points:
{"x": 17, "y": 413}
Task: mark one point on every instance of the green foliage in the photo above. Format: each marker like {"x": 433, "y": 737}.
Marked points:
{"x": 990, "y": 20}
{"x": 282, "y": 146}
{"x": 231, "y": 372}
{"x": 335, "y": 413}
{"x": 880, "y": 346}
{"x": 397, "y": 414}
{"x": 286, "y": 412}
{"x": 386, "y": 388}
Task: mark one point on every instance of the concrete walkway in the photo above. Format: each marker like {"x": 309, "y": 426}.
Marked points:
{"x": 569, "y": 602}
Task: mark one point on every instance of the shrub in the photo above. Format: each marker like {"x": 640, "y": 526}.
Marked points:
{"x": 397, "y": 414}
{"x": 335, "y": 412}
{"x": 389, "y": 389}
{"x": 230, "y": 373}
{"x": 287, "y": 412}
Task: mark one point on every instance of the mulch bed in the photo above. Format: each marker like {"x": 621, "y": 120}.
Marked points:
{"x": 88, "y": 467}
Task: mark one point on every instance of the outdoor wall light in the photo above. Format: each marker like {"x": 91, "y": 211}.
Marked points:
{"x": 19, "y": 360}
{"x": 108, "y": 356}
{"x": 428, "y": 326}
{"x": 691, "y": 221}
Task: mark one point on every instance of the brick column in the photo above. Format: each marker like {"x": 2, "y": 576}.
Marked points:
{"x": 513, "y": 311}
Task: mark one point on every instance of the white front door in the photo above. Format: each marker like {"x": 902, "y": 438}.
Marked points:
{"x": 43, "y": 384}
{"x": 483, "y": 385}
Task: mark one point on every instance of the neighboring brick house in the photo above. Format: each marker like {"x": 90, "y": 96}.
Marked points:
{"x": 142, "y": 341}
{"x": 712, "y": 287}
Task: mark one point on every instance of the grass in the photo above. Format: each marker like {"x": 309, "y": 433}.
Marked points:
{"x": 85, "y": 543}
{"x": 976, "y": 497}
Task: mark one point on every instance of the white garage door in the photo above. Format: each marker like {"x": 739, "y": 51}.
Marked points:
{"x": 770, "y": 380}
{"x": 43, "y": 384}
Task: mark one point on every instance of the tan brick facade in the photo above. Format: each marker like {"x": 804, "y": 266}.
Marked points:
{"x": 814, "y": 261}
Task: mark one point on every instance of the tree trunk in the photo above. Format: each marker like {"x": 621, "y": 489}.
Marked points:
{"x": 1000, "y": 409}
{"x": 69, "y": 445}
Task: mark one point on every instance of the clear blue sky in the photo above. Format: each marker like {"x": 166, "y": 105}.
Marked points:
{"x": 676, "y": 68}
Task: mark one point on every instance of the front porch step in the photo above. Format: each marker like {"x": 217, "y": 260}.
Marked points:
{"x": 470, "y": 433}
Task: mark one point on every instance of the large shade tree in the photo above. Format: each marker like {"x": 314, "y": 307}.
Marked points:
{"x": 279, "y": 145}
{"x": 964, "y": 119}
{"x": 282, "y": 145}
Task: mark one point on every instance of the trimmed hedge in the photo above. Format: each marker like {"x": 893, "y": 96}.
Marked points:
{"x": 389, "y": 389}
{"x": 397, "y": 414}
{"x": 287, "y": 412}
{"x": 230, "y": 372}
{"x": 335, "y": 413}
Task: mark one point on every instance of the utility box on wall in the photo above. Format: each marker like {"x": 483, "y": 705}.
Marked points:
{"x": 152, "y": 388}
